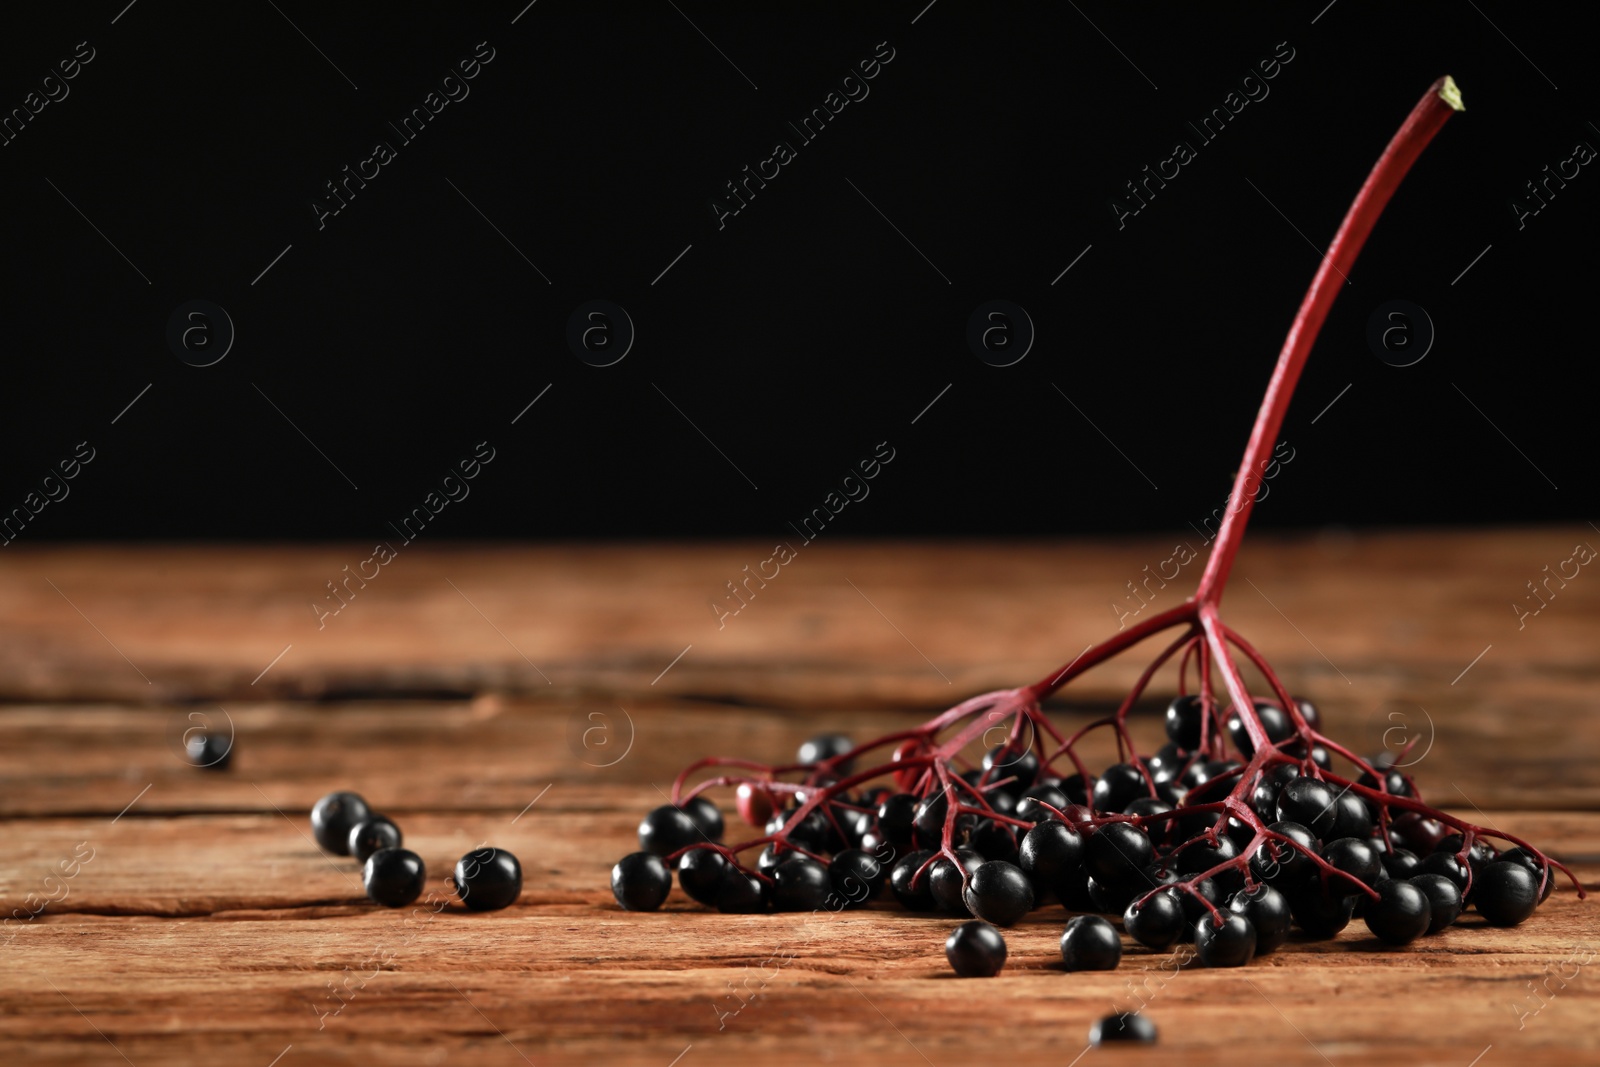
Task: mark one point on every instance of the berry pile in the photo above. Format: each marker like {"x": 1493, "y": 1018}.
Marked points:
{"x": 1248, "y": 822}
{"x": 486, "y": 879}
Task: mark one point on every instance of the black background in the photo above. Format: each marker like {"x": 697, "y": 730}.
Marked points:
{"x": 807, "y": 329}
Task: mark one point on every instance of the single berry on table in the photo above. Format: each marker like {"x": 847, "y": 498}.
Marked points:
{"x": 208, "y": 750}
{"x": 488, "y": 879}
{"x": 976, "y": 950}
{"x": 393, "y": 877}
{"x": 1090, "y": 943}
{"x": 371, "y": 834}
{"x": 1124, "y": 1026}
{"x": 332, "y": 818}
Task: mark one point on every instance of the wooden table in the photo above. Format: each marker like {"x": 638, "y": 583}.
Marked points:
{"x": 455, "y": 691}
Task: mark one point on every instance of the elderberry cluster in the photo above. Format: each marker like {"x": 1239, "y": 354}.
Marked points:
{"x": 486, "y": 879}
{"x": 1151, "y": 841}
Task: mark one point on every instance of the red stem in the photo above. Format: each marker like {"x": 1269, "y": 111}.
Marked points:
{"x": 1437, "y": 104}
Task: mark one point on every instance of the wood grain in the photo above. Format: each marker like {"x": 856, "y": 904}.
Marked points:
{"x": 206, "y": 927}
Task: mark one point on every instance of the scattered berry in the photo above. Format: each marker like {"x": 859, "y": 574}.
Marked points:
{"x": 1091, "y": 944}
{"x": 371, "y": 834}
{"x": 332, "y": 819}
{"x": 976, "y": 950}
{"x": 1124, "y": 1026}
{"x": 393, "y": 877}
{"x": 488, "y": 879}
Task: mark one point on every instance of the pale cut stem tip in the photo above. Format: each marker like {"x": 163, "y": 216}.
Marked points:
{"x": 1450, "y": 93}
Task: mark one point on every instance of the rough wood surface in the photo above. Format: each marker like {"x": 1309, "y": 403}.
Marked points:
{"x": 206, "y": 927}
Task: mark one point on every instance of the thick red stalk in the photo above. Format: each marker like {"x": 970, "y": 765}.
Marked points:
{"x": 1440, "y": 101}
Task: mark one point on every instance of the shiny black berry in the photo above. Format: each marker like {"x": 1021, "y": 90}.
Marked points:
{"x": 393, "y": 877}
{"x": 976, "y": 950}
{"x": 640, "y": 881}
{"x": 1157, "y": 922}
{"x": 332, "y": 818}
{"x": 210, "y": 751}
{"x": 1016, "y": 763}
{"x": 999, "y": 893}
{"x": 1444, "y": 899}
{"x": 857, "y": 877}
{"x": 1311, "y": 803}
{"x": 700, "y": 872}
{"x": 488, "y": 879}
{"x": 1117, "y": 852}
{"x": 667, "y": 829}
{"x": 705, "y": 815}
{"x": 740, "y": 893}
{"x": 1090, "y": 943}
{"x": 894, "y": 818}
{"x": 1231, "y": 943}
{"x": 1125, "y": 1026}
{"x": 900, "y": 879}
{"x": 371, "y": 834}
{"x": 947, "y": 881}
{"x": 1184, "y": 716}
{"x": 799, "y": 884}
{"x": 1505, "y": 893}
{"x": 1400, "y": 915}
{"x": 1048, "y": 851}
{"x": 825, "y": 746}
{"x": 1118, "y": 786}
{"x": 1268, "y": 911}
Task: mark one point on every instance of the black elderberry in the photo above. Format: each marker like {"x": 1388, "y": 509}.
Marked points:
{"x": 1354, "y": 857}
{"x": 1311, "y": 803}
{"x": 894, "y": 818}
{"x": 210, "y": 751}
{"x": 1184, "y": 718}
{"x": 1505, "y": 893}
{"x": 1072, "y": 889}
{"x": 1536, "y": 866}
{"x": 900, "y": 882}
{"x": 1277, "y": 861}
{"x": 769, "y": 858}
{"x": 856, "y": 876}
{"x": 1268, "y": 911}
{"x": 947, "y": 881}
{"x": 1478, "y": 856}
{"x": 1320, "y": 914}
{"x": 705, "y": 815}
{"x": 1201, "y": 855}
{"x": 700, "y": 873}
{"x": 1400, "y": 862}
{"x": 1156, "y": 922}
{"x": 1393, "y": 781}
{"x": 1167, "y": 762}
{"x": 1161, "y": 831}
{"x": 823, "y": 747}
{"x": 1047, "y": 851}
{"x": 1117, "y": 852}
{"x": 1444, "y": 899}
{"x": 993, "y": 841}
{"x": 740, "y": 893}
{"x": 1125, "y": 1026}
{"x": 1118, "y": 786}
{"x": 667, "y": 829}
{"x": 1076, "y": 788}
{"x": 976, "y": 950}
{"x": 1021, "y": 765}
{"x": 928, "y": 822}
{"x": 393, "y": 877}
{"x": 999, "y": 893}
{"x": 1351, "y": 817}
{"x": 1400, "y": 915}
{"x": 1193, "y": 908}
{"x": 371, "y": 834}
{"x": 1445, "y": 863}
{"x": 799, "y": 884}
{"x": 1090, "y": 943}
{"x": 1230, "y": 943}
{"x": 1113, "y": 899}
{"x": 488, "y": 879}
{"x": 332, "y": 818}
{"x": 1274, "y": 720}
{"x": 640, "y": 881}
{"x": 1003, "y": 803}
